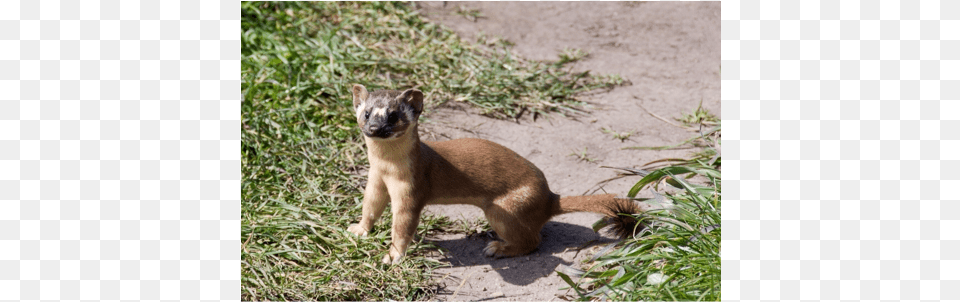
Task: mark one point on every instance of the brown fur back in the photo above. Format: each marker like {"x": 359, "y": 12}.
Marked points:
{"x": 475, "y": 167}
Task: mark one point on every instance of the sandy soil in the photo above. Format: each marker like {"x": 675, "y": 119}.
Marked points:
{"x": 670, "y": 52}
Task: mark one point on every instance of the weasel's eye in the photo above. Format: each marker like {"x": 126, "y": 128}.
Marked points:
{"x": 392, "y": 118}
{"x": 366, "y": 116}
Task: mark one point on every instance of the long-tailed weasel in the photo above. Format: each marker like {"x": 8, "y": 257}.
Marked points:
{"x": 411, "y": 174}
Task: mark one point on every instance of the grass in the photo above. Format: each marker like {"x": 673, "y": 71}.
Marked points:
{"x": 571, "y": 55}
{"x": 699, "y": 116}
{"x": 582, "y": 155}
{"x": 302, "y": 159}
{"x": 696, "y": 141}
{"x": 677, "y": 257}
{"x": 478, "y": 225}
{"x": 622, "y": 136}
{"x": 470, "y": 14}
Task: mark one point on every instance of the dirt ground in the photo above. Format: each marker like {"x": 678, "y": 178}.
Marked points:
{"x": 669, "y": 52}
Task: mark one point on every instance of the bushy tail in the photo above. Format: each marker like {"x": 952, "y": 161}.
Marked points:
{"x": 622, "y": 226}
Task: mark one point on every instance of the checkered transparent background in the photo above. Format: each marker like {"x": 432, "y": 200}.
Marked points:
{"x": 842, "y": 166}
{"x": 119, "y": 139}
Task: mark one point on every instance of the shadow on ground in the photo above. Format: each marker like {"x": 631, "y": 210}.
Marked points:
{"x": 559, "y": 240}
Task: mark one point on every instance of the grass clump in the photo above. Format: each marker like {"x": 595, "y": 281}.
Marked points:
{"x": 677, "y": 255}
{"x": 470, "y": 14}
{"x": 582, "y": 155}
{"x": 622, "y": 136}
{"x": 699, "y": 116}
{"x": 302, "y": 159}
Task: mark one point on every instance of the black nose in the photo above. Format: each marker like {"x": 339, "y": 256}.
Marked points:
{"x": 378, "y": 131}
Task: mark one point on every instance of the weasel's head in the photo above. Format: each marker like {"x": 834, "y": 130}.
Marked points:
{"x": 387, "y": 114}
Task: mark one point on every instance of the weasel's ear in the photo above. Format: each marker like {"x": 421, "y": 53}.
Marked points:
{"x": 413, "y": 98}
{"x": 359, "y": 95}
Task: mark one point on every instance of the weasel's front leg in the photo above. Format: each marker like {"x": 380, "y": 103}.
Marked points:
{"x": 375, "y": 198}
{"x": 406, "y": 216}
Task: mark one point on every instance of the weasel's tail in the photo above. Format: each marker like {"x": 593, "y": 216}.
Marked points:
{"x": 623, "y": 226}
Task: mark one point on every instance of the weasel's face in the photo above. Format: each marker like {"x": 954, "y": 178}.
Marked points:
{"x": 384, "y": 121}
{"x": 387, "y": 114}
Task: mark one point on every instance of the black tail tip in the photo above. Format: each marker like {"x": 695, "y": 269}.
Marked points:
{"x": 624, "y": 222}
{"x": 625, "y": 225}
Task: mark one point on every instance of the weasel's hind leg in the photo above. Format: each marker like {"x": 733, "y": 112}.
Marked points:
{"x": 519, "y": 238}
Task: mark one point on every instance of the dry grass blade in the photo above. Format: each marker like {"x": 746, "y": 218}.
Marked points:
{"x": 691, "y": 129}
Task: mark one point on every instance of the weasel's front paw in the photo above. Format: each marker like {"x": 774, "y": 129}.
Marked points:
{"x": 356, "y": 229}
{"x": 392, "y": 258}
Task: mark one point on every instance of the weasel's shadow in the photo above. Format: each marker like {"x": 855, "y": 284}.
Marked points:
{"x": 557, "y": 237}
